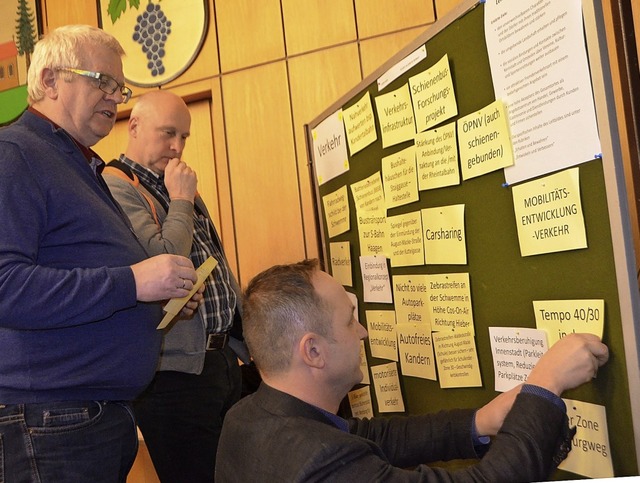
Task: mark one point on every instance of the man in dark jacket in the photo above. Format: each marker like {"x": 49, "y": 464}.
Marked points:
{"x": 301, "y": 331}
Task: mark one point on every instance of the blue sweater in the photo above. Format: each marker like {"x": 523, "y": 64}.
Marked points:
{"x": 70, "y": 325}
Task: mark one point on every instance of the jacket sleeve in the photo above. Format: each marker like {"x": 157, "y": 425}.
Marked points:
{"x": 409, "y": 441}
{"x": 175, "y": 234}
{"x": 534, "y": 439}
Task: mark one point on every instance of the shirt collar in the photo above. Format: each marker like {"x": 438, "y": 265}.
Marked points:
{"x": 339, "y": 422}
{"x": 90, "y": 155}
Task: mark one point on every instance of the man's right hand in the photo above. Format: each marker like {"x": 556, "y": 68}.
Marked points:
{"x": 570, "y": 362}
{"x": 180, "y": 180}
{"x": 163, "y": 277}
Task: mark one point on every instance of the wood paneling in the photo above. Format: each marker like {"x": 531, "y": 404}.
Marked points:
{"x": 311, "y": 94}
{"x": 143, "y": 470}
{"x": 249, "y": 32}
{"x": 443, "y": 6}
{"x": 264, "y": 179}
{"x": 57, "y": 13}
{"x": 314, "y": 24}
{"x": 206, "y": 64}
{"x": 115, "y": 143}
{"x": 378, "y": 50}
{"x": 377, "y": 17}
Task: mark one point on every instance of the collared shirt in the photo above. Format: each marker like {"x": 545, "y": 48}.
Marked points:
{"x": 337, "y": 421}
{"x": 219, "y": 297}
{"x": 96, "y": 163}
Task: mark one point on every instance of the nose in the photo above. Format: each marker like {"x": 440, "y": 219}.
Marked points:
{"x": 177, "y": 145}
{"x": 363, "y": 332}
{"x": 116, "y": 97}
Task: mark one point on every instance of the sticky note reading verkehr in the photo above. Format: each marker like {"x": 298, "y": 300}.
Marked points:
{"x": 174, "y": 306}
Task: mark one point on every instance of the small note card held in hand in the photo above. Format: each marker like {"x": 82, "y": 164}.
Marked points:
{"x": 174, "y": 306}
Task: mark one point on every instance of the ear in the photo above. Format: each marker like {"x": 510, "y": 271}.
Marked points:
{"x": 311, "y": 350}
{"x": 49, "y": 82}
{"x": 133, "y": 126}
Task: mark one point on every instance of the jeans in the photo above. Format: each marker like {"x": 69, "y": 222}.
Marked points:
{"x": 67, "y": 441}
{"x": 180, "y": 416}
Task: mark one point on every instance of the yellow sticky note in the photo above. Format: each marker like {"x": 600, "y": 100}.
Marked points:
{"x": 386, "y": 383}
{"x": 336, "y": 212}
{"x": 561, "y": 317}
{"x": 590, "y": 454}
{"x": 368, "y": 194}
{"x": 450, "y": 302}
{"x": 549, "y": 214}
{"x": 457, "y": 359}
{"x": 360, "y": 402}
{"x": 341, "y": 262}
{"x": 174, "y": 306}
{"x": 416, "y": 351}
{"x": 485, "y": 141}
{"x": 381, "y": 325}
{"x": 406, "y": 245}
{"x": 444, "y": 235}
{"x": 395, "y": 115}
{"x": 437, "y": 157}
{"x": 411, "y": 295}
{"x": 400, "y": 178}
{"x": 360, "y": 124}
{"x": 433, "y": 96}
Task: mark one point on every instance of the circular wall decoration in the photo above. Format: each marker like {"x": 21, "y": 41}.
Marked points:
{"x": 161, "y": 38}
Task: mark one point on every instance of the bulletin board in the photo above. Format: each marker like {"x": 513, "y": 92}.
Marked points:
{"x": 503, "y": 283}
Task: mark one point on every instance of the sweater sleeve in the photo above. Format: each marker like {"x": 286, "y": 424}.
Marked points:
{"x": 56, "y": 267}
{"x": 175, "y": 233}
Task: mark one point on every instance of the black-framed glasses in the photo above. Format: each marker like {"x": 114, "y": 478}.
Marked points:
{"x": 106, "y": 83}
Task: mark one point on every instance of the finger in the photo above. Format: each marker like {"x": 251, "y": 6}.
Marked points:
{"x": 602, "y": 355}
{"x": 183, "y": 262}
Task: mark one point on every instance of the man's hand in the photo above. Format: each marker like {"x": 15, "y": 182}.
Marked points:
{"x": 163, "y": 277}
{"x": 180, "y": 180}
{"x": 193, "y": 303}
{"x": 570, "y": 362}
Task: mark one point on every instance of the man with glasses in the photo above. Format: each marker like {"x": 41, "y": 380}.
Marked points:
{"x": 79, "y": 295}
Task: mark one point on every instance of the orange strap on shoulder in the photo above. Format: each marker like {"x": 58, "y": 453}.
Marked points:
{"x": 136, "y": 183}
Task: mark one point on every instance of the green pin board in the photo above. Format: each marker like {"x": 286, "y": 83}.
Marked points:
{"x": 503, "y": 283}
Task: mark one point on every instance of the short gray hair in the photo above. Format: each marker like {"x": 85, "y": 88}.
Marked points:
{"x": 63, "y": 47}
{"x": 280, "y": 306}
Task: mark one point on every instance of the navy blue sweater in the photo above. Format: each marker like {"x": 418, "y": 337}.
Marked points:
{"x": 70, "y": 325}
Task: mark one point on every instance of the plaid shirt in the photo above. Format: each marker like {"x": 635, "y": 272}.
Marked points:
{"x": 219, "y": 297}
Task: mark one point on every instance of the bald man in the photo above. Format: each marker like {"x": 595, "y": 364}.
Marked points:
{"x": 198, "y": 378}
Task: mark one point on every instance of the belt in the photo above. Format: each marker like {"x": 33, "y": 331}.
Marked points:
{"x": 216, "y": 341}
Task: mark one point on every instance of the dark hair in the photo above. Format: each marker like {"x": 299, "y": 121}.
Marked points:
{"x": 280, "y": 306}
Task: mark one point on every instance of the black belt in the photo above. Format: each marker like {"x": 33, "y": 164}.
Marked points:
{"x": 216, "y": 341}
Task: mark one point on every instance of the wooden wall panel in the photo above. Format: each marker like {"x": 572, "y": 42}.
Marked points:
{"x": 249, "y": 32}
{"x": 57, "y": 13}
{"x": 311, "y": 94}
{"x": 198, "y": 153}
{"x": 206, "y": 64}
{"x": 378, "y": 50}
{"x": 314, "y": 24}
{"x": 115, "y": 143}
{"x": 377, "y": 17}
{"x": 264, "y": 180}
{"x": 443, "y": 6}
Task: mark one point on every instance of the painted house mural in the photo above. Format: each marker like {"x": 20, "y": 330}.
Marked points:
{"x": 18, "y": 35}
